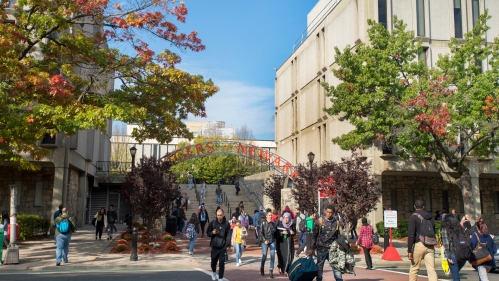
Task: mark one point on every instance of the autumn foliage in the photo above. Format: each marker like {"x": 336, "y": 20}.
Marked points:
{"x": 272, "y": 189}
{"x": 60, "y": 60}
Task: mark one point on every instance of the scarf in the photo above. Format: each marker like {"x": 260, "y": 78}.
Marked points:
{"x": 287, "y": 225}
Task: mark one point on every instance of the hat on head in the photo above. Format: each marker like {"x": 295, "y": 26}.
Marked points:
{"x": 261, "y": 208}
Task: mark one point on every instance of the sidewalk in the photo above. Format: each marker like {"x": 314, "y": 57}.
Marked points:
{"x": 87, "y": 253}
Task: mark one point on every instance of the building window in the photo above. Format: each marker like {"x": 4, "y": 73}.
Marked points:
{"x": 422, "y": 55}
{"x": 38, "y": 194}
{"x": 394, "y": 199}
{"x": 461, "y": 200}
{"x": 382, "y": 12}
{"x": 428, "y": 199}
{"x": 445, "y": 199}
{"x": 458, "y": 19}
{"x": 421, "y": 17}
{"x": 496, "y": 202}
{"x": 475, "y": 9}
{"x": 478, "y": 63}
{"x": 411, "y": 200}
{"x": 48, "y": 139}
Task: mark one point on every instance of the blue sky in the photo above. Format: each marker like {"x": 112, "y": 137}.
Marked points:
{"x": 245, "y": 41}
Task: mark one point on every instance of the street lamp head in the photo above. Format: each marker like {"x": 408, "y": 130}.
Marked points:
{"x": 133, "y": 150}
{"x": 311, "y": 157}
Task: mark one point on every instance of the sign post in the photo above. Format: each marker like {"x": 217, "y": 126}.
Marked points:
{"x": 12, "y": 254}
{"x": 390, "y": 220}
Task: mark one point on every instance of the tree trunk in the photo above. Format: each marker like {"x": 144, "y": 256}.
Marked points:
{"x": 464, "y": 183}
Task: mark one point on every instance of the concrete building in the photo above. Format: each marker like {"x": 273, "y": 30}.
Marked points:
{"x": 302, "y": 126}
{"x": 66, "y": 174}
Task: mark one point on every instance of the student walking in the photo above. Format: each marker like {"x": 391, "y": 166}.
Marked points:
{"x": 191, "y": 231}
{"x": 218, "y": 192}
{"x": 417, "y": 251}
{"x": 203, "y": 190}
{"x": 56, "y": 214}
{"x": 306, "y": 235}
{"x": 482, "y": 236}
{"x": 100, "y": 222}
{"x": 239, "y": 234}
{"x": 285, "y": 245}
{"x": 365, "y": 240}
{"x": 64, "y": 228}
{"x": 353, "y": 230}
{"x": 452, "y": 231}
{"x": 112, "y": 217}
{"x": 218, "y": 231}
{"x": 203, "y": 219}
{"x": 267, "y": 236}
{"x": 6, "y": 222}
{"x": 181, "y": 220}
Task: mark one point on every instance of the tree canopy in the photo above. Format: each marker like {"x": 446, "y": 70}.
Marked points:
{"x": 60, "y": 59}
{"x": 447, "y": 113}
{"x": 272, "y": 187}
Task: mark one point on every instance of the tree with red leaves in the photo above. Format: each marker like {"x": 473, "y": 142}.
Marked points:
{"x": 60, "y": 60}
{"x": 305, "y": 186}
{"x": 444, "y": 115}
{"x": 272, "y": 187}
{"x": 149, "y": 188}
{"x": 355, "y": 190}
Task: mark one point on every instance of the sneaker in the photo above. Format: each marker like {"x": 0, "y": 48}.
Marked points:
{"x": 237, "y": 264}
{"x": 240, "y": 261}
{"x": 57, "y": 263}
{"x": 214, "y": 276}
{"x": 190, "y": 253}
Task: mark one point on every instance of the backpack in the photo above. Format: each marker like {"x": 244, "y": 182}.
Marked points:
{"x": 302, "y": 227}
{"x": 426, "y": 232}
{"x": 303, "y": 269}
{"x": 63, "y": 225}
{"x": 189, "y": 232}
{"x": 462, "y": 248}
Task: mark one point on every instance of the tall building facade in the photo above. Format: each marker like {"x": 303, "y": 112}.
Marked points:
{"x": 302, "y": 126}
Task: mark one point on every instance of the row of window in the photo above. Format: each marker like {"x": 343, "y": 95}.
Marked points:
{"x": 420, "y": 15}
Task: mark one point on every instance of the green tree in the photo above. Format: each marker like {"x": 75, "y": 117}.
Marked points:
{"x": 57, "y": 66}
{"x": 448, "y": 112}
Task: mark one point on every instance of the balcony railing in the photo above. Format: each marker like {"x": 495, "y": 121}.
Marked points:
{"x": 113, "y": 167}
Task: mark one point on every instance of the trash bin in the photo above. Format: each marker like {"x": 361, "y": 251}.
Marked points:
{"x": 1, "y": 241}
{"x": 171, "y": 225}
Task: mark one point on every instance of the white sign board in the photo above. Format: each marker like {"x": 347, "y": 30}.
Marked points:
{"x": 390, "y": 218}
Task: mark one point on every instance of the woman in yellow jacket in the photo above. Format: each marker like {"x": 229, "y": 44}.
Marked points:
{"x": 239, "y": 234}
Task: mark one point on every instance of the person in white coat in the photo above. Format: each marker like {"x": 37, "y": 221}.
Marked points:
{"x": 100, "y": 222}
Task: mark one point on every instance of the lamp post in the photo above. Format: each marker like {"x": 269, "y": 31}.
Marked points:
{"x": 311, "y": 157}
{"x": 133, "y": 150}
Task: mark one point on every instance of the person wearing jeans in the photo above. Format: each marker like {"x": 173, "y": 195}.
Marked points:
{"x": 267, "y": 236}
{"x": 63, "y": 239}
{"x": 218, "y": 192}
{"x": 239, "y": 234}
{"x": 481, "y": 237}
{"x": 203, "y": 219}
{"x": 193, "y": 222}
{"x": 451, "y": 230}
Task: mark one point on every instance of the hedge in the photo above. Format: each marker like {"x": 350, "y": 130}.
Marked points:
{"x": 32, "y": 225}
{"x": 401, "y": 230}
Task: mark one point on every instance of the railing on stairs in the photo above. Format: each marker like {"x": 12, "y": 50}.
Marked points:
{"x": 225, "y": 199}
{"x": 250, "y": 192}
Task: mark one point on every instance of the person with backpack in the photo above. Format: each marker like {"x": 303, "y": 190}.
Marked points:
{"x": 325, "y": 232}
{"x": 191, "y": 231}
{"x": 203, "y": 219}
{"x": 421, "y": 242}
{"x": 57, "y": 214}
{"x": 218, "y": 192}
{"x": 112, "y": 218}
{"x": 218, "y": 231}
{"x": 239, "y": 234}
{"x": 299, "y": 217}
{"x": 236, "y": 185}
{"x": 267, "y": 236}
{"x": 257, "y": 217}
{"x": 64, "y": 228}
{"x": 365, "y": 240}
{"x": 456, "y": 245}
{"x": 288, "y": 210}
{"x": 482, "y": 237}
{"x": 305, "y": 227}
{"x": 100, "y": 222}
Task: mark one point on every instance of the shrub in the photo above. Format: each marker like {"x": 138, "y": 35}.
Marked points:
{"x": 141, "y": 227}
{"x": 144, "y": 247}
{"x": 122, "y": 241}
{"x": 120, "y": 248}
{"x": 402, "y": 227}
{"x": 126, "y": 236}
{"x": 32, "y": 225}
{"x": 167, "y": 237}
{"x": 171, "y": 246}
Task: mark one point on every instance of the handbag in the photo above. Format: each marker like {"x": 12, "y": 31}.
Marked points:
{"x": 480, "y": 253}
{"x": 93, "y": 222}
{"x": 375, "y": 237}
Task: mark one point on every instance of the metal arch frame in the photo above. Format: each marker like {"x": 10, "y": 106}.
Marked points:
{"x": 249, "y": 151}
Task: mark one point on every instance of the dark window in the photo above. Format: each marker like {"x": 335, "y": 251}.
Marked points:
{"x": 423, "y": 55}
{"x": 394, "y": 199}
{"x": 475, "y": 7}
{"x": 458, "y": 19}
{"x": 421, "y": 17}
{"x": 411, "y": 200}
{"x": 445, "y": 199}
{"x": 496, "y": 202}
{"x": 481, "y": 201}
{"x": 382, "y": 12}
{"x": 48, "y": 139}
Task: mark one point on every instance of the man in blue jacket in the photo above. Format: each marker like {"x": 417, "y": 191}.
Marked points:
{"x": 218, "y": 230}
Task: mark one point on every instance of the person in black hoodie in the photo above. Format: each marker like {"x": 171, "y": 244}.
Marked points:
{"x": 218, "y": 230}
{"x": 417, "y": 251}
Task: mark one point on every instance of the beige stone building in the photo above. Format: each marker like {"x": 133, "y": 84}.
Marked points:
{"x": 302, "y": 126}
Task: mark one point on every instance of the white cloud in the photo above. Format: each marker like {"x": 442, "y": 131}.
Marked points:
{"x": 238, "y": 103}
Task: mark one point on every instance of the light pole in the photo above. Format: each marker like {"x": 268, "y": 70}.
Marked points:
{"x": 311, "y": 157}
{"x": 133, "y": 150}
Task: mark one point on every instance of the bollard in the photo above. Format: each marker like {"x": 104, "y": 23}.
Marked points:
{"x": 386, "y": 239}
{"x": 133, "y": 256}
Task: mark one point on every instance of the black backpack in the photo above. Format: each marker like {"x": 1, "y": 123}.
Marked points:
{"x": 302, "y": 227}
{"x": 426, "y": 232}
{"x": 461, "y": 247}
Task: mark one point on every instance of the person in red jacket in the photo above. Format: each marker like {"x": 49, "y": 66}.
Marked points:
{"x": 288, "y": 210}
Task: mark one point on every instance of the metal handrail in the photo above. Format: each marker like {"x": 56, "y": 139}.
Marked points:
{"x": 113, "y": 167}
{"x": 250, "y": 193}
